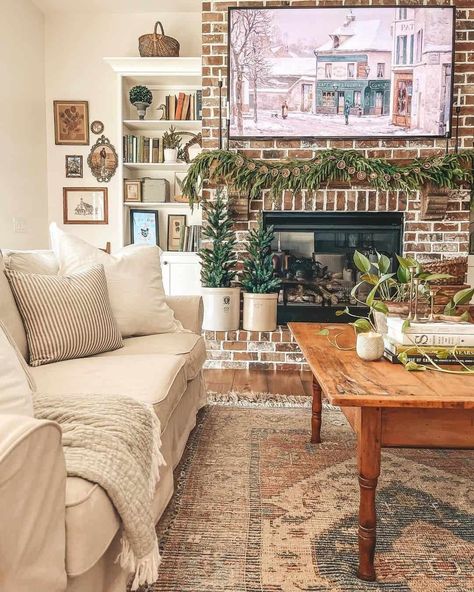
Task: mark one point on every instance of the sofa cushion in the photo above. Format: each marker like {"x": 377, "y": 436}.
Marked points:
{"x": 187, "y": 345}
{"x": 42, "y": 262}
{"x": 10, "y": 314}
{"x": 65, "y": 316}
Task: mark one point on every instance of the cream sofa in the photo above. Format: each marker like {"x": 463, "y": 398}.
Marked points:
{"x": 62, "y": 533}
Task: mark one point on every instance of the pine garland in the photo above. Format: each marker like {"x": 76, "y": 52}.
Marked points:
{"x": 218, "y": 263}
{"x": 258, "y": 275}
{"x": 251, "y": 176}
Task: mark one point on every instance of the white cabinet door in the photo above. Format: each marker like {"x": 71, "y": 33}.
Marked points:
{"x": 181, "y": 274}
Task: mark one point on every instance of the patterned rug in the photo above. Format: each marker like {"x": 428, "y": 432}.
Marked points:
{"x": 260, "y": 509}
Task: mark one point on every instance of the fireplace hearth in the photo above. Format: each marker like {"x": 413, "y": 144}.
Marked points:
{"x": 313, "y": 255}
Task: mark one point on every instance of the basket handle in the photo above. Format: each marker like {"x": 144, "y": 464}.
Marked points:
{"x": 156, "y": 27}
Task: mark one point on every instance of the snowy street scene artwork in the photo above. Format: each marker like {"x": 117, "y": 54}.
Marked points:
{"x": 340, "y": 72}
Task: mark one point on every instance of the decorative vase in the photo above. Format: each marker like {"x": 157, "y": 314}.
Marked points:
{"x": 260, "y": 312}
{"x": 141, "y": 109}
{"x": 171, "y": 155}
{"x": 380, "y": 319}
{"x": 369, "y": 346}
{"x": 221, "y": 309}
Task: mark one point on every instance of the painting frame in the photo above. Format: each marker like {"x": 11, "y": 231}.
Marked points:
{"x": 174, "y": 232}
{"x": 449, "y": 102}
{"x": 138, "y": 212}
{"x": 75, "y": 192}
{"x": 103, "y": 160}
{"x": 129, "y": 196}
{"x": 60, "y": 108}
{"x": 74, "y": 162}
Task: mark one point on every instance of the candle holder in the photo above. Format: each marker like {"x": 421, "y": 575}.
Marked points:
{"x": 416, "y": 282}
{"x": 219, "y": 84}
{"x": 457, "y": 110}
{"x": 432, "y": 298}
{"x": 412, "y": 270}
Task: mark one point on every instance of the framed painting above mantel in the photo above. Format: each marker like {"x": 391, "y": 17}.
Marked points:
{"x": 347, "y": 72}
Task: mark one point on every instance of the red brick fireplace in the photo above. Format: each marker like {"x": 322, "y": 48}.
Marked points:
{"x": 446, "y": 237}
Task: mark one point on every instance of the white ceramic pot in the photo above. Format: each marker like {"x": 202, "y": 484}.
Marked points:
{"x": 260, "y": 312}
{"x": 221, "y": 309}
{"x": 369, "y": 346}
{"x": 171, "y": 155}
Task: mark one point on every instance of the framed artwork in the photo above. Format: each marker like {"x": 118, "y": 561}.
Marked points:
{"x": 132, "y": 190}
{"x": 74, "y": 166}
{"x": 97, "y": 127}
{"x": 346, "y": 72}
{"x": 144, "y": 227}
{"x": 176, "y": 225}
{"x": 103, "y": 160}
{"x": 85, "y": 205}
{"x": 71, "y": 123}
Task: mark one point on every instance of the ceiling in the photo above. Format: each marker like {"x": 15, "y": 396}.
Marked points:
{"x": 120, "y": 6}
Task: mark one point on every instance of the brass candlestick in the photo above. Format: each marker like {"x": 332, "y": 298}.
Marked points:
{"x": 412, "y": 270}
{"x": 432, "y": 298}
{"x": 416, "y": 282}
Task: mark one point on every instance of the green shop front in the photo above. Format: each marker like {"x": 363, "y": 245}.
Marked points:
{"x": 366, "y": 97}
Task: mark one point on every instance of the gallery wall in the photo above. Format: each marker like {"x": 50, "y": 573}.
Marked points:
{"x": 23, "y": 196}
{"x": 75, "y": 47}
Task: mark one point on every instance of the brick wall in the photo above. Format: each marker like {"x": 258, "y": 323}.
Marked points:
{"x": 425, "y": 239}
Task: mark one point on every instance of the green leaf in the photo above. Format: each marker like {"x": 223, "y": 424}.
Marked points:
{"x": 403, "y": 275}
{"x": 339, "y": 313}
{"x": 362, "y": 326}
{"x": 370, "y": 278}
{"x": 414, "y": 367}
{"x": 380, "y": 306}
{"x": 323, "y": 332}
{"x": 432, "y": 277}
{"x": 403, "y": 357}
{"x": 361, "y": 262}
{"x": 406, "y": 324}
{"x": 463, "y": 296}
{"x": 384, "y": 263}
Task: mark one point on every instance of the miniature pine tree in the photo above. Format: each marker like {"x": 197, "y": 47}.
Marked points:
{"x": 218, "y": 263}
{"x": 258, "y": 275}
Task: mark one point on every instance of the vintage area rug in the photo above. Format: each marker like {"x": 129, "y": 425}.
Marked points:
{"x": 260, "y": 509}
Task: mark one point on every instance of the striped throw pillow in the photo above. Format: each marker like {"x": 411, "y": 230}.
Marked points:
{"x": 65, "y": 316}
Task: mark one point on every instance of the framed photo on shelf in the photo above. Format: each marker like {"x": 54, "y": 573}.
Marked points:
{"x": 71, "y": 123}
{"x": 85, "y": 205}
{"x": 132, "y": 190}
{"x": 74, "y": 166}
{"x": 144, "y": 229}
{"x": 176, "y": 225}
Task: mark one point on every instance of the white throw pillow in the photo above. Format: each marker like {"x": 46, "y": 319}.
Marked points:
{"x": 16, "y": 384}
{"x": 134, "y": 282}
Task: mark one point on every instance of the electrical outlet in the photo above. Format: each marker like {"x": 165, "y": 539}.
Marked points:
{"x": 19, "y": 225}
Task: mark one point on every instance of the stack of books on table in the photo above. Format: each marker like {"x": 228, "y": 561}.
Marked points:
{"x": 437, "y": 340}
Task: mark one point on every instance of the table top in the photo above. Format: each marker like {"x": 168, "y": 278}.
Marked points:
{"x": 347, "y": 380}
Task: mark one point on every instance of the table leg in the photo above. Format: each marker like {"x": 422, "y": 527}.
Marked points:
{"x": 316, "y": 413}
{"x": 368, "y": 461}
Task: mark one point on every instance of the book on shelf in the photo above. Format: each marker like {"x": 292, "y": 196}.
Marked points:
{"x": 445, "y": 334}
{"x": 190, "y": 238}
{"x": 140, "y": 149}
{"x": 184, "y": 106}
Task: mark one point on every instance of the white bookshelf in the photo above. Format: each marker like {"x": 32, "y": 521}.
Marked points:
{"x": 162, "y": 76}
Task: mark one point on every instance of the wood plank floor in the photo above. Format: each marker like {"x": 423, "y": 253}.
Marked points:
{"x": 259, "y": 381}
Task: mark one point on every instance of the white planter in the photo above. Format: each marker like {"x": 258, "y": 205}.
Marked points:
{"x": 369, "y": 346}
{"x": 260, "y": 312}
{"x": 171, "y": 155}
{"x": 221, "y": 309}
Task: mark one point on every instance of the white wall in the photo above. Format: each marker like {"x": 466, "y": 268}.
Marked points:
{"x": 75, "y": 47}
{"x": 22, "y": 126}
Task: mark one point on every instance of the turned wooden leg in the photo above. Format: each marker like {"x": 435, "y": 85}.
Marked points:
{"x": 368, "y": 458}
{"x": 316, "y": 413}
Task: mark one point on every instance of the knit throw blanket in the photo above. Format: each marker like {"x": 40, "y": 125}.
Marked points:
{"x": 115, "y": 441}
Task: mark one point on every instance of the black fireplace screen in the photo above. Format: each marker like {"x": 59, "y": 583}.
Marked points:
{"x": 313, "y": 255}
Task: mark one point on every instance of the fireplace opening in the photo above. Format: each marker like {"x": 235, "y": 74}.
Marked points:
{"x": 313, "y": 255}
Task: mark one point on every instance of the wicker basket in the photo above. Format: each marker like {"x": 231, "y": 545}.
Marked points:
{"x": 157, "y": 45}
{"x": 457, "y": 268}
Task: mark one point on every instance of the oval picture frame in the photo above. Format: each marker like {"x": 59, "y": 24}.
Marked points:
{"x": 103, "y": 160}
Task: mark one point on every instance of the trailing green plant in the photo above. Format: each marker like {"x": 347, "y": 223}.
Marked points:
{"x": 218, "y": 262}
{"x": 252, "y": 176}
{"x": 140, "y": 94}
{"x": 171, "y": 139}
{"x": 258, "y": 275}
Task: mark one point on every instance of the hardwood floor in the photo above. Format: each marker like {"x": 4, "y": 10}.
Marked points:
{"x": 259, "y": 381}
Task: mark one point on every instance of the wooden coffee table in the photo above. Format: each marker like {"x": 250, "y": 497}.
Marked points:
{"x": 387, "y": 406}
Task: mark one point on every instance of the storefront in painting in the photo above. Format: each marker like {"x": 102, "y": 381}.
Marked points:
{"x": 365, "y": 97}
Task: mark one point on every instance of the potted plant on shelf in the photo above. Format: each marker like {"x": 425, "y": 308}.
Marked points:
{"x": 141, "y": 97}
{"x": 259, "y": 282}
{"x": 171, "y": 144}
{"x": 218, "y": 268}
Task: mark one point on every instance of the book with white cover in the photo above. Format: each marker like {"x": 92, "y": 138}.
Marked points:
{"x": 443, "y": 334}
{"x": 396, "y": 323}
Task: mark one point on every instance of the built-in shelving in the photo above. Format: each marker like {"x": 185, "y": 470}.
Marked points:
{"x": 151, "y": 125}
{"x": 158, "y": 166}
{"x": 157, "y": 204}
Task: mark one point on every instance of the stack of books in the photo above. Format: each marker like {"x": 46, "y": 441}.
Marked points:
{"x": 190, "y": 238}
{"x": 141, "y": 149}
{"x": 437, "y": 340}
{"x": 184, "y": 106}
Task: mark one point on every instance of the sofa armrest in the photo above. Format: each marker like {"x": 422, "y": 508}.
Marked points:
{"x": 189, "y": 310}
{"x": 32, "y": 506}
